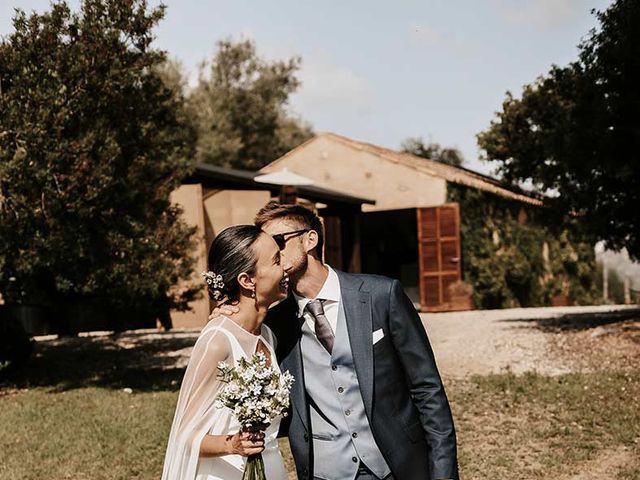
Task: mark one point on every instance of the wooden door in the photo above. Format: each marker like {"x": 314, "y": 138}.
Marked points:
{"x": 333, "y": 241}
{"x": 439, "y": 255}
{"x": 342, "y": 240}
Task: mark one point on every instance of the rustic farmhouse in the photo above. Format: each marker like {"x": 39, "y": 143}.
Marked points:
{"x": 413, "y": 231}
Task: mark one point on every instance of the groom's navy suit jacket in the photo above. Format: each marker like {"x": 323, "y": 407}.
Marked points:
{"x": 403, "y": 395}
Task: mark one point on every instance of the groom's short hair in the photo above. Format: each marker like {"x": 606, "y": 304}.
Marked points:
{"x": 302, "y": 216}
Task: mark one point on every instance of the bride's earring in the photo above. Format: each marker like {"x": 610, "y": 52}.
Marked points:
{"x": 253, "y": 294}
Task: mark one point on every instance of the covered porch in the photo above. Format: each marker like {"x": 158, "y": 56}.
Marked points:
{"x": 214, "y": 198}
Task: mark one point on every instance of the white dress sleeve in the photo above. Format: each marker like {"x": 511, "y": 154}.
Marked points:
{"x": 270, "y": 337}
{"x": 196, "y": 412}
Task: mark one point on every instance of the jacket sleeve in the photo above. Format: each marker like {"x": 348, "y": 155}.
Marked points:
{"x": 416, "y": 356}
{"x": 285, "y": 423}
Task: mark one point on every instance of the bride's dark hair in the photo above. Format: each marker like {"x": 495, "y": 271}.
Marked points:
{"x": 230, "y": 254}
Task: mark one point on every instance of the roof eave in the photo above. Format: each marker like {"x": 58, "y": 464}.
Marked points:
{"x": 227, "y": 178}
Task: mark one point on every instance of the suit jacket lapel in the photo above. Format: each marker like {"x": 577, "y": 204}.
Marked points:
{"x": 293, "y": 363}
{"x": 357, "y": 308}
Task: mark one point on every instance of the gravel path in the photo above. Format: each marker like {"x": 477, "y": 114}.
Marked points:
{"x": 493, "y": 341}
{"x": 465, "y": 343}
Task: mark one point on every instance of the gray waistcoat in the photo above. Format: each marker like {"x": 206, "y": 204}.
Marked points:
{"x": 342, "y": 436}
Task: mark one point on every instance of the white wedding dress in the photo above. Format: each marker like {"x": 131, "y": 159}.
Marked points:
{"x": 197, "y": 415}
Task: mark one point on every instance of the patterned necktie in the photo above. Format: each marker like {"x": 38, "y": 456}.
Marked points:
{"x": 323, "y": 329}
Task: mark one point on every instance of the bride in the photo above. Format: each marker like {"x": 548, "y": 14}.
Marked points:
{"x": 205, "y": 442}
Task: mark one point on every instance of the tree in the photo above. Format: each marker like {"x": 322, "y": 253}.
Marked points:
{"x": 433, "y": 151}
{"x": 240, "y": 108}
{"x": 92, "y": 143}
{"x": 575, "y": 132}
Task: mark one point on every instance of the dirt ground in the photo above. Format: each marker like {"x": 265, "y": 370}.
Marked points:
{"x": 605, "y": 465}
{"x": 550, "y": 340}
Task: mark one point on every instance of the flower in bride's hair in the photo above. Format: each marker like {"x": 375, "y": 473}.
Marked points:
{"x": 215, "y": 283}
{"x": 213, "y": 279}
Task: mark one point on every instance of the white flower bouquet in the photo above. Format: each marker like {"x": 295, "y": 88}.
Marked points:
{"x": 257, "y": 393}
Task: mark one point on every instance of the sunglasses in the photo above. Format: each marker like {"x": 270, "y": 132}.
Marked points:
{"x": 281, "y": 238}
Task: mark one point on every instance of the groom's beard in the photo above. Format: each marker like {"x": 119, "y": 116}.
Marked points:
{"x": 297, "y": 271}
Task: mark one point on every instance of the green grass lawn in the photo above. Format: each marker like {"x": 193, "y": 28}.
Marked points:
{"x": 66, "y": 415}
{"x": 87, "y": 433}
{"x": 535, "y": 427}
{"x": 524, "y": 427}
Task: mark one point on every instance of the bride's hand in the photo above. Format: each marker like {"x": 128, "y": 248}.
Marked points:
{"x": 224, "y": 309}
{"x": 246, "y": 443}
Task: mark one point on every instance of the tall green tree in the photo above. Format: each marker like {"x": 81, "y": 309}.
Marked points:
{"x": 240, "y": 107}
{"x": 92, "y": 142}
{"x": 432, "y": 151}
{"x": 575, "y": 132}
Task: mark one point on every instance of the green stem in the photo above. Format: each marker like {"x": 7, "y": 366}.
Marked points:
{"x": 254, "y": 469}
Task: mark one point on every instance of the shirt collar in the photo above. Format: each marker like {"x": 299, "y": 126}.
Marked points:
{"x": 330, "y": 291}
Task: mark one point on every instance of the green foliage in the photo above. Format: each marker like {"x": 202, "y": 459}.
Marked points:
{"x": 239, "y": 108}
{"x": 92, "y": 142}
{"x": 575, "y": 132}
{"x": 504, "y": 260}
{"x": 432, "y": 151}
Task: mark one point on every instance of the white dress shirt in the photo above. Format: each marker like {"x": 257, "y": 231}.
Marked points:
{"x": 330, "y": 294}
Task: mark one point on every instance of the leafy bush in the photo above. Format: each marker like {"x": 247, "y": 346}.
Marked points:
{"x": 92, "y": 142}
{"x": 521, "y": 263}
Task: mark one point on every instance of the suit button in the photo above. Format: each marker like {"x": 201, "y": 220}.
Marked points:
{"x": 347, "y": 412}
{"x": 354, "y": 434}
{"x": 354, "y": 459}
{"x": 340, "y": 389}
{"x": 306, "y": 437}
{"x": 334, "y": 368}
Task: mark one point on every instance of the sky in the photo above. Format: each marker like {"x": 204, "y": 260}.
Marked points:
{"x": 382, "y": 71}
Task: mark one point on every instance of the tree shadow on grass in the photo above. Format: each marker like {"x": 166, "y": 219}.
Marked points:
{"x": 142, "y": 361}
{"x": 581, "y": 321}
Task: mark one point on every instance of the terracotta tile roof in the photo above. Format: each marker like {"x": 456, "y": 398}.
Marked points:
{"x": 459, "y": 175}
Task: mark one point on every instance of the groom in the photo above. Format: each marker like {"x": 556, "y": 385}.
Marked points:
{"x": 368, "y": 402}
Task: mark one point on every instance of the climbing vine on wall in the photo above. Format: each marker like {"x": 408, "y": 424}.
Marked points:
{"x": 515, "y": 255}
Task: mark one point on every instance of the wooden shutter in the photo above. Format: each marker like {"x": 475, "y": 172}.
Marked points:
{"x": 439, "y": 255}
